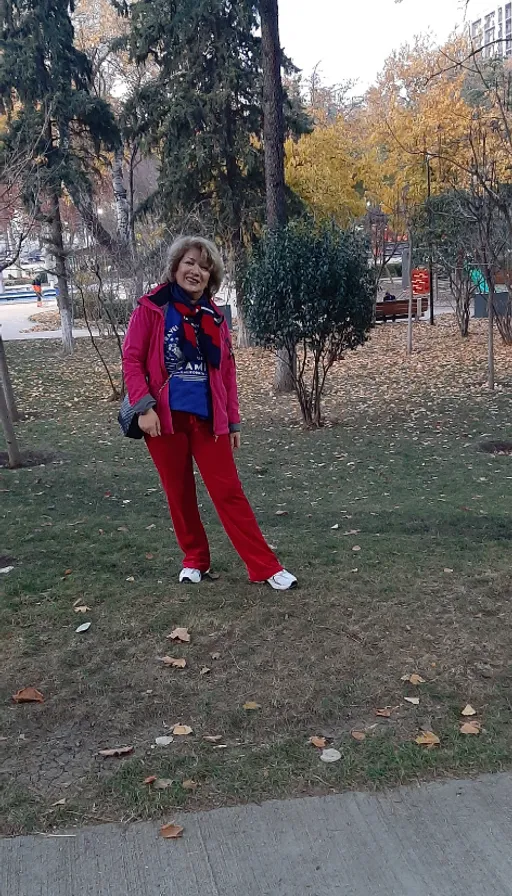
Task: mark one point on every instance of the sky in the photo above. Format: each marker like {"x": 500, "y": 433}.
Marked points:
{"x": 353, "y": 38}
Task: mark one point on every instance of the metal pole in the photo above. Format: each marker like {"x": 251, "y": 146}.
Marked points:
{"x": 430, "y": 262}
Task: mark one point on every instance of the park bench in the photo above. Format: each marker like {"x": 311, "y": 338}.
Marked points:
{"x": 391, "y": 310}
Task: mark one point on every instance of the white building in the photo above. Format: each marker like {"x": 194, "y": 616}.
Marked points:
{"x": 492, "y": 30}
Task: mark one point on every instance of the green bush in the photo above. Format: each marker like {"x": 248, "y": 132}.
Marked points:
{"x": 309, "y": 290}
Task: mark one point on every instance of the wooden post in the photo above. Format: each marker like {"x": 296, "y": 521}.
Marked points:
{"x": 490, "y": 338}
{"x": 5, "y": 381}
{"x": 411, "y": 294}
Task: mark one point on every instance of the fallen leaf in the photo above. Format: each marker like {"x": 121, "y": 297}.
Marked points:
{"x": 447, "y": 569}
{"x": 82, "y": 609}
{"x": 251, "y": 706}
{"x": 221, "y": 747}
{"x": 212, "y": 738}
{"x": 83, "y": 628}
{"x": 205, "y": 670}
{"x": 28, "y": 695}
{"x": 336, "y": 526}
{"x": 386, "y": 712}
{"x": 358, "y": 735}
{"x": 213, "y": 576}
{"x": 130, "y": 579}
{"x": 471, "y": 728}
{"x": 171, "y": 831}
{"x": 163, "y": 783}
{"x": 356, "y": 548}
{"x": 116, "y": 751}
{"x": 182, "y": 730}
{"x": 330, "y": 756}
{"x": 172, "y": 661}
{"x": 428, "y": 739}
{"x": 215, "y": 656}
{"x": 150, "y": 556}
{"x": 468, "y": 711}
{"x": 281, "y": 513}
{"x": 352, "y": 532}
{"x": 61, "y": 802}
{"x": 150, "y": 780}
{"x": 414, "y": 700}
{"x": 189, "y": 785}
{"x": 413, "y": 679}
{"x": 6, "y": 569}
{"x": 152, "y": 526}
{"x": 68, "y": 572}
{"x": 416, "y": 679}
{"x": 179, "y": 634}
{"x": 164, "y": 741}
{"x": 319, "y": 742}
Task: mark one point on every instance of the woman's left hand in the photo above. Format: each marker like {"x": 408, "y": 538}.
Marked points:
{"x": 235, "y": 439}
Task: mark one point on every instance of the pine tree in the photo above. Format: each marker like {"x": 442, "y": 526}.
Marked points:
{"x": 203, "y": 114}
{"x": 203, "y": 110}
{"x": 45, "y": 89}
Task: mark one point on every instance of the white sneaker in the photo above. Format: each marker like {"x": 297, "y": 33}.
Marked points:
{"x": 282, "y": 581}
{"x": 192, "y": 576}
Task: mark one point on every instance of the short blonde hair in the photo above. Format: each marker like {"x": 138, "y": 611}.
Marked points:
{"x": 209, "y": 254}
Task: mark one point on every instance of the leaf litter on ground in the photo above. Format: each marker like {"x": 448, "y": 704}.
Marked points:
{"x": 472, "y": 727}
{"x": 319, "y": 742}
{"x": 116, "y": 752}
{"x": 330, "y": 755}
{"x": 414, "y": 679}
{"x": 181, "y": 730}
{"x": 28, "y": 695}
{"x": 177, "y": 663}
{"x": 179, "y": 634}
{"x": 164, "y": 740}
{"x": 428, "y": 739}
{"x": 171, "y": 831}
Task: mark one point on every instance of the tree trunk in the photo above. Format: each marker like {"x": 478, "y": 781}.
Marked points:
{"x": 5, "y": 382}
{"x": 273, "y": 112}
{"x": 243, "y": 333}
{"x": 273, "y": 138}
{"x": 13, "y": 450}
{"x": 57, "y": 249}
{"x": 121, "y": 198}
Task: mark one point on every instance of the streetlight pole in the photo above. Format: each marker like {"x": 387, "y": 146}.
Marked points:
{"x": 430, "y": 262}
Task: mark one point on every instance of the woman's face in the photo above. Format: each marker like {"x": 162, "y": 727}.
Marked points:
{"x": 193, "y": 274}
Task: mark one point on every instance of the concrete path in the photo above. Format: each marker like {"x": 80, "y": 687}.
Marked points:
{"x": 14, "y": 321}
{"x": 449, "y": 839}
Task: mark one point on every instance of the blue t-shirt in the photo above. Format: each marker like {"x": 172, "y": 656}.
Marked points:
{"x": 189, "y": 387}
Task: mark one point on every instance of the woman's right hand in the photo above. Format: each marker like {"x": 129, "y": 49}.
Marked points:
{"x": 150, "y": 423}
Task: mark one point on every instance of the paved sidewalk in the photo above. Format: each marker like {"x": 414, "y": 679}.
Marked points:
{"x": 448, "y": 839}
{"x": 15, "y": 324}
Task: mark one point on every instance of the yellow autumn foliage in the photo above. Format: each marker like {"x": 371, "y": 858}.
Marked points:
{"x": 419, "y": 108}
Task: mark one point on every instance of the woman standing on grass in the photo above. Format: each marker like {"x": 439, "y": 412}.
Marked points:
{"x": 180, "y": 376}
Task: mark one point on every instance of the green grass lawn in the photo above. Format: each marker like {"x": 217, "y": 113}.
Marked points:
{"x": 398, "y": 526}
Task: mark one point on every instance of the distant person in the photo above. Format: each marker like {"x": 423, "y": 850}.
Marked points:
{"x": 38, "y": 289}
{"x": 388, "y": 297}
{"x": 180, "y": 375}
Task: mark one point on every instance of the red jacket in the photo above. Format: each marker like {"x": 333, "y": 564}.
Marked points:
{"x": 146, "y": 377}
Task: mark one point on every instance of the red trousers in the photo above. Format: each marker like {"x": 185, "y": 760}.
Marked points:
{"x": 172, "y": 455}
